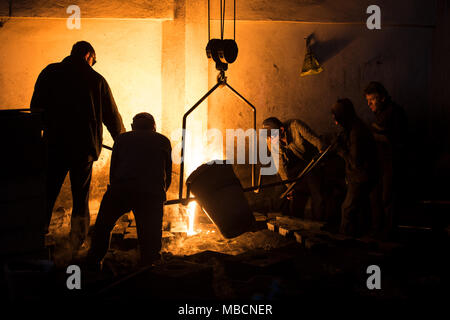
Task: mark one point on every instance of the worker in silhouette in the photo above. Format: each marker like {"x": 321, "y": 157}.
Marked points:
{"x": 298, "y": 144}
{"x": 76, "y": 101}
{"x": 356, "y": 146}
{"x": 390, "y": 132}
{"x": 140, "y": 174}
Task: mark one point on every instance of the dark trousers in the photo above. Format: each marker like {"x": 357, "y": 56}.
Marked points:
{"x": 385, "y": 194}
{"x": 80, "y": 181}
{"x": 309, "y": 186}
{"x": 148, "y": 211}
{"x": 355, "y": 210}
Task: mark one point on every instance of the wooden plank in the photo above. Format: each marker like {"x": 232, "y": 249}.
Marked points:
{"x": 259, "y": 216}
{"x": 285, "y": 231}
{"x": 294, "y": 223}
{"x": 272, "y": 226}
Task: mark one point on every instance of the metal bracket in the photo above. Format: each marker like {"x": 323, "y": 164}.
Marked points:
{"x": 221, "y": 81}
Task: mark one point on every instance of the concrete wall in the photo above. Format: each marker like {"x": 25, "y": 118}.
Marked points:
{"x": 185, "y": 79}
{"x": 128, "y": 55}
{"x": 267, "y": 72}
{"x": 147, "y": 62}
{"x": 161, "y": 66}
{"x": 393, "y": 12}
{"x": 271, "y": 54}
{"x": 141, "y": 9}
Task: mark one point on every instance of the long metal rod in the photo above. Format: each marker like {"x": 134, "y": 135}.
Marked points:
{"x": 292, "y": 182}
{"x": 183, "y": 141}
{"x": 24, "y": 110}
{"x": 186, "y": 200}
{"x": 273, "y": 184}
{"x": 106, "y": 147}
{"x": 221, "y": 25}
{"x": 40, "y": 111}
{"x": 305, "y": 171}
{"x": 234, "y": 22}
{"x": 255, "y": 148}
{"x": 183, "y": 138}
{"x": 183, "y": 201}
{"x": 209, "y": 21}
{"x": 223, "y": 19}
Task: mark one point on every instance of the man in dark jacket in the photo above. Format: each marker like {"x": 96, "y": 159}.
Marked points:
{"x": 75, "y": 101}
{"x": 390, "y": 132}
{"x": 140, "y": 174}
{"x": 357, "y": 147}
{"x": 298, "y": 144}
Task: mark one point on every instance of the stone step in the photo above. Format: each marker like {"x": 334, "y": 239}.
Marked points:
{"x": 272, "y": 226}
{"x": 310, "y": 240}
{"x": 131, "y": 233}
{"x": 294, "y": 223}
{"x": 259, "y": 216}
{"x": 286, "y": 226}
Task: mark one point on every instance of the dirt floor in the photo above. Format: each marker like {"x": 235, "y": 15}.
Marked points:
{"x": 309, "y": 266}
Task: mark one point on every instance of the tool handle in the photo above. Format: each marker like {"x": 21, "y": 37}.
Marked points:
{"x": 307, "y": 169}
{"x": 106, "y": 147}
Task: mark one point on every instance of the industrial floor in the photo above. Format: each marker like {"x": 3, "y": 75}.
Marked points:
{"x": 288, "y": 261}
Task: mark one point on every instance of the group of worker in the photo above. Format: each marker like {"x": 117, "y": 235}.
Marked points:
{"x": 76, "y": 101}
{"x": 373, "y": 159}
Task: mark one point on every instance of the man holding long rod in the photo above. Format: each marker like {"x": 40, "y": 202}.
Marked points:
{"x": 298, "y": 145}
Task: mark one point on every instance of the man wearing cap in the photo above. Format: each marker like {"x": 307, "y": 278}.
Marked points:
{"x": 75, "y": 101}
{"x": 356, "y": 146}
{"x": 140, "y": 174}
{"x": 298, "y": 144}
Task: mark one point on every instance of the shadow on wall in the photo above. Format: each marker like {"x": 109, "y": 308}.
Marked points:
{"x": 325, "y": 50}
